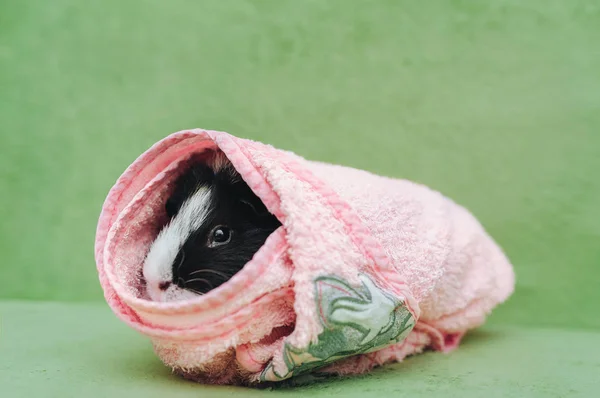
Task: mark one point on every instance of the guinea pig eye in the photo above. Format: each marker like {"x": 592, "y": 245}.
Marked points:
{"x": 221, "y": 235}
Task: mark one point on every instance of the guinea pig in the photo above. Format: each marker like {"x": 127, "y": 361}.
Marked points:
{"x": 216, "y": 225}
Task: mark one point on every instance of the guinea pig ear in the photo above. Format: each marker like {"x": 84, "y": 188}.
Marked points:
{"x": 251, "y": 206}
{"x": 171, "y": 207}
{"x": 259, "y": 213}
{"x": 256, "y": 210}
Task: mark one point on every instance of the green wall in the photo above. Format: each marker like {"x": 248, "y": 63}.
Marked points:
{"x": 497, "y": 106}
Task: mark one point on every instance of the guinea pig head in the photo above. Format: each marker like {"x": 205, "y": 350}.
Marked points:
{"x": 216, "y": 224}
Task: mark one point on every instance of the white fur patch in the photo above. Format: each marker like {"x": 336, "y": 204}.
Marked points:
{"x": 158, "y": 266}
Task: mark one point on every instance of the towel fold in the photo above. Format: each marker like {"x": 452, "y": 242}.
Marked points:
{"x": 364, "y": 269}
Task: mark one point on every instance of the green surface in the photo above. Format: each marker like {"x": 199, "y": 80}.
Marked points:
{"x": 496, "y": 104}
{"x": 48, "y": 345}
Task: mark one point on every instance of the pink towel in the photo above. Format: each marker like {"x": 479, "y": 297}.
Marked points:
{"x": 364, "y": 269}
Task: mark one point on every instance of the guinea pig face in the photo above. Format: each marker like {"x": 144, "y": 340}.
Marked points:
{"x": 161, "y": 283}
{"x": 216, "y": 226}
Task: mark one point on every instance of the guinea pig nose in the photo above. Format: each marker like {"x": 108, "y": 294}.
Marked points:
{"x": 164, "y": 285}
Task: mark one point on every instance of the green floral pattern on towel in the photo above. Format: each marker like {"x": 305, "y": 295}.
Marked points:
{"x": 355, "y": 321}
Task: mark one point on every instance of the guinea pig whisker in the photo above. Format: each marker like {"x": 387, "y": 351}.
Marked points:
{"x": 211, "y": 271}
{"x": 182, "y": 260}
{"x": 199, "y": 280}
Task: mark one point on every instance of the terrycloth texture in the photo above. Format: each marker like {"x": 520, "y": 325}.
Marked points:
{"x": 365, "y": 269}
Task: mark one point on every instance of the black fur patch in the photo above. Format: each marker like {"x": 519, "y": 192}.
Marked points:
{"x": 199, "y": 267}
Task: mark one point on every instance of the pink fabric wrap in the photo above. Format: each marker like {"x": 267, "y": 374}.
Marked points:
{"x": 364, "y": 270}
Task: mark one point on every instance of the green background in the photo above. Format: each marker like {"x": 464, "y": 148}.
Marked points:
{"x": 495, "y": 104}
